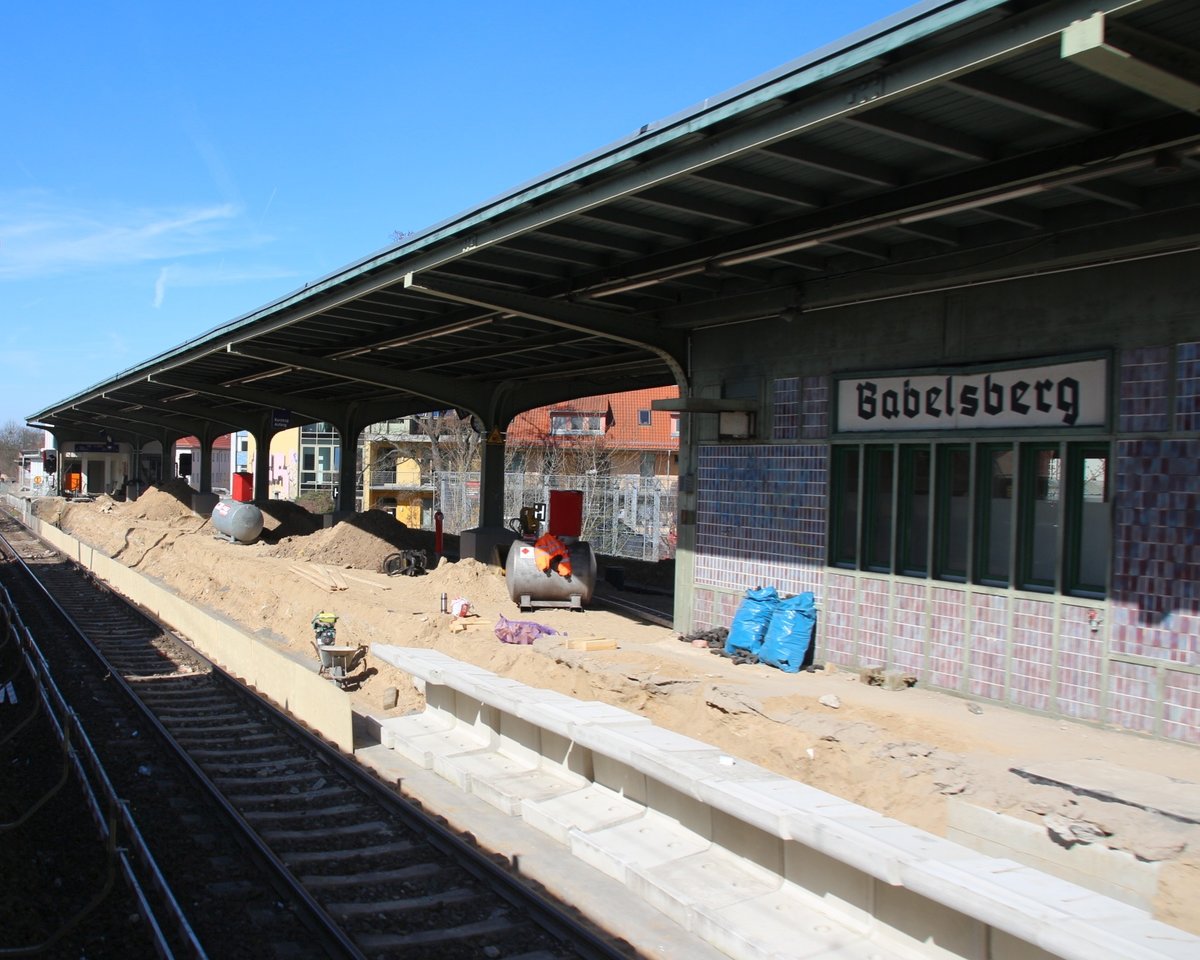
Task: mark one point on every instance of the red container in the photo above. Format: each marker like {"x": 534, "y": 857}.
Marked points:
{"x": 243, "y": 486}
{"x": 566, "y": 513}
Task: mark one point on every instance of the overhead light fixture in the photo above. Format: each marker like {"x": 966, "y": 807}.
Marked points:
{"x": 975, "y": 204}
{"x": 255, "y": 377}
{"x": 626, "y": 287}
{"x": 768, "y": 253}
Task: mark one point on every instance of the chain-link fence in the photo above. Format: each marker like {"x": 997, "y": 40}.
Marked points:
{"x": 623, "y": 516}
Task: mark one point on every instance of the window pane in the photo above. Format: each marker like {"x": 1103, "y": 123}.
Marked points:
{"x": 914, "y": 511}
{"x": 954, "y": 511}
{"x": 995, "y": 514}
{"x": 1093, "y": 538}
{"x": 844, "y": 503}
{"x": 877, "y": 508}
{"x": 1041, "y": 491}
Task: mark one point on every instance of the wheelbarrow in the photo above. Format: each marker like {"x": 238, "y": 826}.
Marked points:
{"x": 338, "y": 662}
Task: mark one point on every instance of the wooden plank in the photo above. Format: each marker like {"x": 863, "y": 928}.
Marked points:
{"x": 592, "y": 643}
{"x": 315, "y": 577}
{"x": 364, "y": 581}
{"x": 458, "y": 626}
{"x": 334, "y": 574}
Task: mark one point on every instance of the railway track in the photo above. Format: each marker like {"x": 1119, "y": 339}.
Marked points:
{"x": 278, "y": 845}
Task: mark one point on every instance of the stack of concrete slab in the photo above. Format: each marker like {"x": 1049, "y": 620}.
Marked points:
{"x": 759, "y": 865}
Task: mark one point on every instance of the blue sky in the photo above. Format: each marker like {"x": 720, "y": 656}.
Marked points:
{"x": 165, "y": 167}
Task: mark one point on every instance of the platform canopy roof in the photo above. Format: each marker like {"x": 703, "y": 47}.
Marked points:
{"x": 955, "y": 143}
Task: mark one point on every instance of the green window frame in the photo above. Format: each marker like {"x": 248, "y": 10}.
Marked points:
{"x": 1041, "y": 511}
{"x": 1089, "y": 519}
{"x": 914, "y": 502}
{"x": 878, "y": 507}
{"x": 844, "y": 506}
{"x": 1036, "y": 515}
{"x": 994, "y": 516}
{"x": 952, "y": 512}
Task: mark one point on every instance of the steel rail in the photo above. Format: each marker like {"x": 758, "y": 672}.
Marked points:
{"x": 110, "y": 814}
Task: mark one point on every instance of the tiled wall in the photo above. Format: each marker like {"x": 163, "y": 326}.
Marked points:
{"x": 1031, "y": 643}
{"x": 1187, "y": 387}
{"x": 1145, "y": 390}
{"x": 946, "y": 637}
{"x": 761, "y": 519}
{"x": 1080, "y": 665}
{"x": 987, "y": 661}
{"x": 760, "y": 516}
{"x": 1156, "y": 558}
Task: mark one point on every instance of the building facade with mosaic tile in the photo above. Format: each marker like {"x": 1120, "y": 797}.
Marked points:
{"x": 995, "y": 491}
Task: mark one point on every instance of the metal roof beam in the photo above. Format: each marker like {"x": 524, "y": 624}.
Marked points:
{"x": 702, "y": 206}
{"x": 863, "y": 248}
{"x": 502, "y": 257}
{"x": 573, "y": 316}
{"x": 266, "y": 399}
{"x": 927, "y": 230}
{"x": 1019, "y": 213}
{"x": 534, "y": 247}
{"x": 1027, "y": 100}
{"x": 831, "y": 161}
{"x": 200, "y": 414}
{"x": 760, "y": 186}
{"x": 1117, "y": 194}
{"x": 577, "y": 233}
{"x": 629, "y": 219}
{"x": 1158, "y": 68}
{"x": 444, "y": 391}
{"x": 96, "y": 419}
{"x": 503, "y": 349}
{"x": 922, "y": 134}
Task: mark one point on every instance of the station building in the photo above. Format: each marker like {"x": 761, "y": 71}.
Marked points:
{"x": 931, "y": 300}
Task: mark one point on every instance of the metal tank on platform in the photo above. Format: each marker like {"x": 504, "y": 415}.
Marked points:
{"x": 529, "y": 586}
{"x": 237, "y": 522}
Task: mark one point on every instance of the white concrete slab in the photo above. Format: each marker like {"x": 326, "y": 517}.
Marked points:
{"x": 413, "y": 725}
{"x": 509, "y": 793}
{"x": 787, "y": 924}
{"x": 587, "y": 810}
{"x": 712, "y": 878}
{"x": 648, "y": 841}
{"x": 426, "y": 750}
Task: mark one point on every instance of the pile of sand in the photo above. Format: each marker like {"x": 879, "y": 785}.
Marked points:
{"x": 362, "y": 542}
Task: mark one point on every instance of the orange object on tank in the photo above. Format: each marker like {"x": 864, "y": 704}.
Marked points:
{"x": 547, "y": 551}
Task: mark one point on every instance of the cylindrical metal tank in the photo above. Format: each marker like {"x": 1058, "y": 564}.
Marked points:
{"x": 529, "y": 586}
{"x": 238, "y": 521}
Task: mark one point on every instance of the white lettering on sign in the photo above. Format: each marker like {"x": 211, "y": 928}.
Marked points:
{"x": 1056, "y": 395}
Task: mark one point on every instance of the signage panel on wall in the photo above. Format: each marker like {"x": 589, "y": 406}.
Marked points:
{"x": 1062, "y": 395}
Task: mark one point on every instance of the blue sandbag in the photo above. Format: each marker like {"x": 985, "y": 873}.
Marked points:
{"x": 789, "y": 633}
{"x": 750, "y": 622}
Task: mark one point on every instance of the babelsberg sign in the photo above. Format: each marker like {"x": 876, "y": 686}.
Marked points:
{"x": 1058, "y": 395}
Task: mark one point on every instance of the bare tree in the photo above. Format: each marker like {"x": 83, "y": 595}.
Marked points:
{"x": 15, "y": 437}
